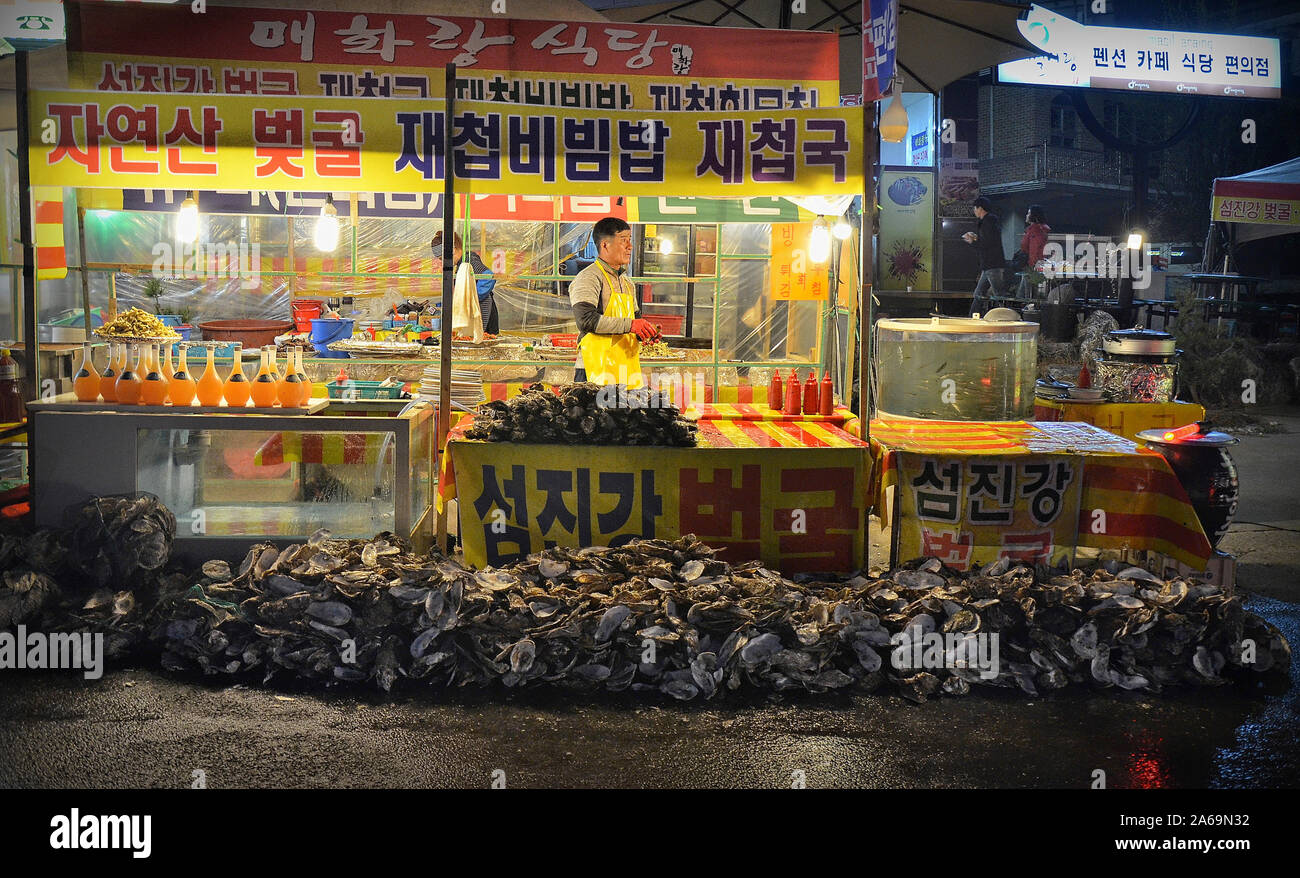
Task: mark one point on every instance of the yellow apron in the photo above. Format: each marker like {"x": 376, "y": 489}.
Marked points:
{"x": 613, "y": 359}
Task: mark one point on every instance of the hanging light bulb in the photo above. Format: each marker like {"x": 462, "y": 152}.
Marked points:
{"x": 893, "y": 122}
{"x": 665, "y": 246}
{"x": 187, "y": 220}
{"x": 327, "y": 227}
{"x": 819, "y": 245}
{"x": 842, "y": 229}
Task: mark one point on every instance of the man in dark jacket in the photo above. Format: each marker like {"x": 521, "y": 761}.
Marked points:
{"x": 987, "y": 241}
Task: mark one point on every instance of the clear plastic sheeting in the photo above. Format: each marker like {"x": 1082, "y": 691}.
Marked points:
{"x": 254, "y": 266}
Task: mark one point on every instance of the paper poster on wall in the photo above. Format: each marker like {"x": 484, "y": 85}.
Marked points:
{"x": 906, "y": 243}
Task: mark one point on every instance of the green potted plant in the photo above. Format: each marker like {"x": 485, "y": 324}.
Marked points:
{"x": 155, "y": 290}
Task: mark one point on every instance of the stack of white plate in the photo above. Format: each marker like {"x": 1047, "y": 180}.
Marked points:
{"x": 466, "y": 386}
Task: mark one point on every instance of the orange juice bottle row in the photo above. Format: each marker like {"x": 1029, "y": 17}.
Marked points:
{"x": 138, "y": 374}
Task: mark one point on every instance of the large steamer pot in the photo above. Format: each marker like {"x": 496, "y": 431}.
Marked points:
{"x": 956, "y": 369}
{"x": 1205, "y": 469}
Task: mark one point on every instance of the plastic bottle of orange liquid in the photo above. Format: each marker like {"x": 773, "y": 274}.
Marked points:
{"x": 86, "y": 382}
{"x": 290, "y": 390}
{"x": 182, "y": 387}
{"x": 265, "y": 383}
{"x": 109, "y": 376}
{"x": 306, "y": 382}
{"x": 154, "y": 390}
{"x": 168, "y": 367}
{"x": 208, "y": 389}
{"x": 128, "y": 383}
{"x": 237, "y": 386}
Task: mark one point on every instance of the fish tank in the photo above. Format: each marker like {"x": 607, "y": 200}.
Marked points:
{"x": 234, "y": 480}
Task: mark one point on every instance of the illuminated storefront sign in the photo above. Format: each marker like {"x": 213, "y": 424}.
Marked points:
{"x": 1131, "y": 59}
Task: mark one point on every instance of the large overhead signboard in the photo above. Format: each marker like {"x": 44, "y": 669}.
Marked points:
{"x": 1131, "y": 59}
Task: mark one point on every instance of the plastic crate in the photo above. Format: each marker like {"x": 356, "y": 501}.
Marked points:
{"x": 564, "y": 339}
{"x": 669, "y": 324}
{"x": 364, "y": 390}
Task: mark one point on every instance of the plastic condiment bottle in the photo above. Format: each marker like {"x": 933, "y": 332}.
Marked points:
{"x": 264, "y": 383}
{"x": 182, "y": 388}
{"x": 237, "y": 388}
{"x": 12, "y": 409}
{"x": 1085, "y": 377}
{"x": 774, "y": 391}
{"x": 811, "y": 394}
{"x": 154, "y": 389}
{"x": 128, "y": 383}
{"x": 289, "y": 391}
{"x": 85, "y": 384}
{"x": 305, "y": 400}
{"x": 827, "y": 394}
{"x": 208, "y": 388}
{"x": 791, "y": 394}
{"x": 108, "y": 378}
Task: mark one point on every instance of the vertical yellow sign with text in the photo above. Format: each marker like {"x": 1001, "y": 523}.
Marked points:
{"x": 794, "y": 277}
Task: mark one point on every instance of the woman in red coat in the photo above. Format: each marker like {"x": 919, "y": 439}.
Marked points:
{"x": 1033, "y": 242}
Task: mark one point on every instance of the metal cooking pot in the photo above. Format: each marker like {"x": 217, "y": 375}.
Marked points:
{"x": 1139, "y": 342}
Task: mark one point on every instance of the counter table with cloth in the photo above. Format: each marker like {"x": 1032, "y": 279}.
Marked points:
{"x": 971, "y": 492}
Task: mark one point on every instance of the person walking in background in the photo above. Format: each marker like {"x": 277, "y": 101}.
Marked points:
{"x": 487, "y": 303}
{"x": 1032, "y": 243}
{"x": 987, "y": 241}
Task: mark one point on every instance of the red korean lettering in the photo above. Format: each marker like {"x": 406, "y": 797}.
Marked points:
{"x": 278, "y": 135}
{"x": 183, "y": 129}
{"x": 67, "y": 114}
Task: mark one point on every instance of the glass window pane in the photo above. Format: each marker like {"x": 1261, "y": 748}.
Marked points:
{"x": 746, "y": 239}
{"x": 252, "y": 483}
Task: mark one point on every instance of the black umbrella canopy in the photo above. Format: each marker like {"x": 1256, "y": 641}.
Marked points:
{"x": 938, "y": 40}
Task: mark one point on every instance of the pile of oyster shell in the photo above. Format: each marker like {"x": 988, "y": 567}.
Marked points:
{"x": 655, "y": 615}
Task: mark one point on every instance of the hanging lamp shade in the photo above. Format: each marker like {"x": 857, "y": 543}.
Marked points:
{"x": 893, "y": 122}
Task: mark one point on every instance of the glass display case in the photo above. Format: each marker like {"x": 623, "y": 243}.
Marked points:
{"x": 236, "y": 479}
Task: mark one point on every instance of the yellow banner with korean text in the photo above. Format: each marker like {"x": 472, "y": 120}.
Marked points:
{"x": 210, "y": 142}
{"x": 973, "y": 510}
{"x": 796, "y": 509}
{"x": 1267, "y": 211}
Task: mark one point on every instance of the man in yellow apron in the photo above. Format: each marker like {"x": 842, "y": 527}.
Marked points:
{"x": 610, "y": 329}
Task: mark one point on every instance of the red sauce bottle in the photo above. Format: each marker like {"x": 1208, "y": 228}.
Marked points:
{"x": 792, "y": 394}
{"x": 774, "y": 391}
{"x": 828, "y": 393}
{"x": 811, "y": 394}
{"x": 1085, "y": 377}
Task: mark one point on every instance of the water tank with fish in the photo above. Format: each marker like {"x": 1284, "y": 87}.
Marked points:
{"x": 956, "y": 369}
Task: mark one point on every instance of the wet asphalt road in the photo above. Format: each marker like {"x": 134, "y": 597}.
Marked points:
{"x": 144, "y": 728}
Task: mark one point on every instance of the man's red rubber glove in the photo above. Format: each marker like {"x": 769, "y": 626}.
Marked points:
{"x": 644, "y": 329}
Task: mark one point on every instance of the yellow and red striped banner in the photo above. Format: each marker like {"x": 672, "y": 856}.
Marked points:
{"x": 47, "y": 217}
{"x": 331, "y": 448}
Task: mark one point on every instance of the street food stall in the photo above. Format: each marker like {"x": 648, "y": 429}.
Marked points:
{"x": 744, "y": 303}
